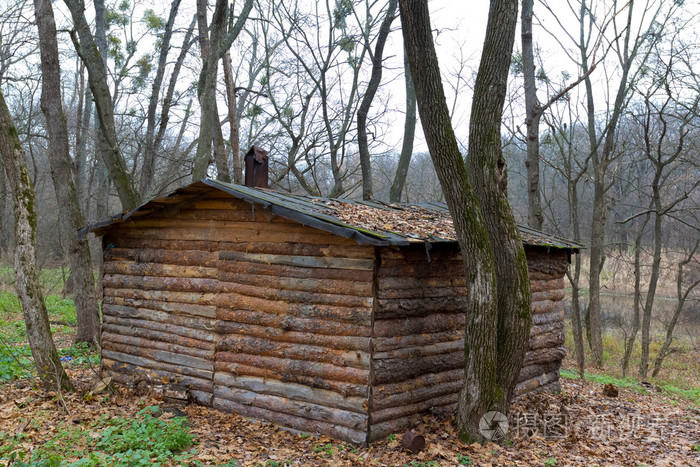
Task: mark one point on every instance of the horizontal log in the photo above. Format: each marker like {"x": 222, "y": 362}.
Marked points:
{"x": 531, "y": 385}
{"x": 343, "y": 388}
{"x": 181, "y": 361}
{"x": 548, "y": 295}
{"x": 407, "y": 307}
{"x": 545, "y": 306}
{"x": 543, "y": 285}
{"x": 540, "y": 356}
{"x": 421, "y": 325}
{"x": 156, "y": 344}
{"x": 291, "y": 323}
{"x": 178, "y": 255}
{"x": 289, "y": 406}
{"x": 421, "y": 293}
{"x": 420, "y": 282}
{"x": 169, "y": 328}
{"x": 198, "y": 322}
{"x": 160, "y": 270}
{"x": 556, "y": 315}
{"x": 130, "y": 375}
{"x": 232, "y": 305}
{"x": 445, "y": 268}
{"x": 321, "y": 285}
{"x": 202, "y": 232}
{"x": 418, "y": 254}
{"x": 125, "y": 241}
{"x": 226, "y": 214}
{"x": 224, "y": 328}
{"x": 410, "y": 396}
{"x": 398, "y": 425}
{"x": 385, "y": 344}
{"x": 160, "y": 336}
{"x": 303, "y": 249}
{"x": 325, "y": 262}
{"x": 554, "y": 339}
{"x": 556, "y": 327}
{"x": 394, "y": 370}
{"x": 393, "y": 413}
{"x": 163, "y": 295}
{"x": 298, "y": 392}
{"x": 258, "y": 225}
{"x": 174, "y": 284}
{"x": 390, "y": 391}
{"x": 244, "y": 267}
{"x": 415, "y": 352}
{"x": 532, "y": 371}
{"x": 293, "y": 421}
{"x": 293, "y": 296}
{"x": 188, "y": 309}
{"x": 307, "y": 352}
{"x": 172, "y": 371}
{"x": 287, "y": 366}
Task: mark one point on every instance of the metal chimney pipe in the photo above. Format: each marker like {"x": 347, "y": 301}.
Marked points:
{"x": 256, "y": 167}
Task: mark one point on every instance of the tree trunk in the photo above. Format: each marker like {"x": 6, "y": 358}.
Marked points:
{"x": 70, "y": 216}
{"x": 46, "y": 359}
{"x": 97, "y": 77}
{"x": 149, "y": 158}
{"x": 233, "y": 119}
{"x": 409, "y": 131}
{"x": 481, "y": 391}
{"x": 206, "y": 88}
{"x": 532, "y": 121}
{"x": 372, "y": 87}
{"x": 488, "y": 172}
{"x": 629, "y": 345}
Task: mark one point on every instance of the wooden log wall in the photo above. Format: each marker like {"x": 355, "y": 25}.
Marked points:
{"x": 257, "y": 314}
{"x": 418, "y": 345}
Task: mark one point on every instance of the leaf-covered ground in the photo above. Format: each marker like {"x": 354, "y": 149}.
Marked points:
{"x": 579, "y": 426}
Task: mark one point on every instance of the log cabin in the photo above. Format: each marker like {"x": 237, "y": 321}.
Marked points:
{"x": 337, "y": 317}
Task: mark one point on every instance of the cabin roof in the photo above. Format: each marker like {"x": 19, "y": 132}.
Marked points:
{"x": 368, "y": 222}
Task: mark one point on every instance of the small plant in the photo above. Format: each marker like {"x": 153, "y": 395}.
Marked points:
{"x": 551, "y": 462}
{"x": 696, "y": 447}
{"x": 392, "y": 437}
{"x": 327, "y": 449}
{"x": 464, "y": 460}
{"x": 422, "y": 464}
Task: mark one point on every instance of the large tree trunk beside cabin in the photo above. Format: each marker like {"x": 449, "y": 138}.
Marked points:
{"x": 480, "y": 392}
{"x": 46, "y": 359}
{"x": 70, "y": 215}
{"x": 409, "y": 131}
{"x": 488, "y": 172}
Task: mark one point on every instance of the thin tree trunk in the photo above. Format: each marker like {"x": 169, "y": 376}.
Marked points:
{"x": 372, "y": 87}
{"x": 70, "y": 216}
{"x": 46, "y": 359}
{"x": 409, "y": 131}
{"x": 97, "y": 77}
{"x": 682, "y": 297}
{"x": 480, "y": 392}
{"x": 233, "y": 119}
{"x": 206, "y": 89}
{"x": 629, "y": 344}
{"x": 149, "y": 158}
{"x": 532, "y": 121}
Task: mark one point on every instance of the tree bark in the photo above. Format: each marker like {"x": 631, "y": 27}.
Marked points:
{"x": 233, "y": 119}
{"x": 372, "y": 87}
{"x": 97, "y": 77}
{"x": 483, "y": 388}
{"x": 488, "y": 172}
{"x": 70, "y": 216}
{"x": 149, "y": 157}
{"x": 409, "y": 131}
{"x": 533, "y": 113}
{"x": 46, "y": 359}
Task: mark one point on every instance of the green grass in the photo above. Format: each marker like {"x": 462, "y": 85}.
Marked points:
{"x": 141, "y": 440}
{"x": 692, "y": 394}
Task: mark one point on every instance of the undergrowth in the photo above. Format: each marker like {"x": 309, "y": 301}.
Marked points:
{"x": 142, "y": 440}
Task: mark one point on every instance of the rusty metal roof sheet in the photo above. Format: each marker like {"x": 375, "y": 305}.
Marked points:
{"x": 368, "y": 222}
